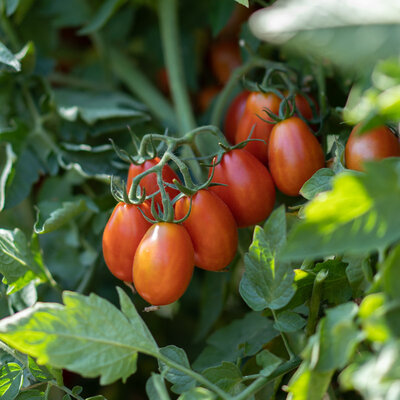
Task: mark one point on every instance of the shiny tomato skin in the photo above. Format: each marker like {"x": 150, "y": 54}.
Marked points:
{"x": 149, "y": 182}
{"x": 250, "y": 191}
{"x": 234, "y": 114}
{"x": 224, "y": 58}
{"x": 163, "y": 263}
{"x": 375, "y": 144}
{"x": 122, "y": 235}
{"x": 254, "y": 108}
{"x": 294, "y": 155}
{"x": 212, "y": 228}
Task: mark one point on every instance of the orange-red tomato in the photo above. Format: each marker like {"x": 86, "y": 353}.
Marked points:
{"x": 294, "y": 155}
{"x": 206, "y": 96}
{"x": 163, "y": 263}
{"x": 122, "y": 235}
{"x": 375, "y": 144}
{"x": 250, "y": 192}
{"x": 234, "y": 114}
{"x": 212, "y": 228}
{"x": 302, "y": 105}
{"x": 254, "y": 106}
{"x": 224, "y": 58}
{"x": 149, "y": 182}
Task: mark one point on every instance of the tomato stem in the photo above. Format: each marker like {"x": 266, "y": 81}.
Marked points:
{"x": 284, "y": 339}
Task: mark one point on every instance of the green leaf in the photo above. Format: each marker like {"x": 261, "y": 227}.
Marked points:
{"x": 243, "y": 2}
{"x": 155, "y": 388}
{"x": 391, "y": 274}
{"x": 266, "y": 282}
{"x": 181, "y": 381}
{"x": 275, "y": 229}
{"x": 339, "y": 34}
{"x": 41, "y": 373}
{"x": 31, "y": 395}
{"x": 242, "y": 338}
{"x": 7, "y": 159}
{"x": 51, "y": 215}
{"x": 74, "y": 336}
{"x": 103, "y": 14}
{"x": 338, "y": 337}
{"x": 11, "y": 6}
{"x": 321, "y": 181}
{"x": 11, "y": 377}
{"x": 358, "y": 216}
{"x": 95, "y": 106}
{"x": 219, "y": 14}
{"x": 17, "y": 264}
{"x": 198, "y": 393}
{"x": 307, "y": 384}
{"x": 357, "y": 273}
{"x": 289, "y": 321}
{"x": 8, "y": 61}
{"x": 268, "y": 361}
{"x": 227, "y": 376}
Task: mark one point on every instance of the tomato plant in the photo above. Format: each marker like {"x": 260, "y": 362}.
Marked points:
{"x": 255, "y": 104}
{"x": 122, "y": 235}
{"x": 234, "y": 114}
{"x": 149, "y": 182}
{"x": 294, "y": 155}
{"x": 211, "y": 227}
{"x": 163, "y": 264}
{"x": 375, "y": 144}
{"x": 249, "y": 192}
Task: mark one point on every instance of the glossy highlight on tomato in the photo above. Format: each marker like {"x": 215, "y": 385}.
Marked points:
{"x": 121, "y": 237}
{"x": 375, "y": 144}
{"x": 149, "y": 182}
{"x": 249, "y": 192}
{"x": 212, "y": 228}
{"x": 163, "y": 263}
{"x": 294, "y": 155}
{"x": 234, "y": 114}
{"x": 255, "y": 104}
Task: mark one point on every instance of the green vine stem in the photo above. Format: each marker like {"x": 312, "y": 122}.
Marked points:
{"x": 284, "y": 339}
{"x": 141, "y": 87}
{"x": 168, "y": 17}
{"x": 315, "y": 302}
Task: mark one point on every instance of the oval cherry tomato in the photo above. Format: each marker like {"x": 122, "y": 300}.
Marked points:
{"x": 224, "y": 58}
{"x": 375, "y": 144}
{"x": 122, "y": 235}
{"x": 212, "y": 228}
{"x": 206, "y": 96}
{"x": 149, "y": 182}
{"x": 163, "y": 263}
{"x": 234, "y": 114}
{"x": 254, "y": 106}
{"x": 250, "y": 192}
{"x": 294, "y": 155}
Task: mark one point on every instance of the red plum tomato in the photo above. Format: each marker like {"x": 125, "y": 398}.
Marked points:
{"x": 255, "y": 104}
{"x": 234, "y": 114}
{"x": 212, "y": 228}
{"x": 294, "y": 155}
{"x": 224, "y": 58}
{"x": 149, "y": 182}
{"x": 122, "y": 235}
{"x": 375, "y": 144}
{"x": 249, "y": 192}
{"x": 163, "y": 263}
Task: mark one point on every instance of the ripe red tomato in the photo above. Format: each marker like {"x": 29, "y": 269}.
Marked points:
{"x": 163, "y": 263}
{"x": 234, "y": 114}
{"x": 122, "y": 234}
{"x": 149, "y": 182}
{"x": 254, "y": 106}
{"x": 294, "y": 155}
{"x": 206, "y": 96}
{"x": 375, "y": 144}
{"x": 212, "y": 228}
{"x": 224, "y": 58}
{"x": 250, "y": 192}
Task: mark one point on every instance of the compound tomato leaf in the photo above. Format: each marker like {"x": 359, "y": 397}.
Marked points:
{"x": 275, "y": 229}
{"x": 289, "y": 321}
{"x": 75, "y": 336}
{"x": 31, "y": 395}
{"x": 198, "y": 393}
{"x": 307, "y": 384}
{"x": 266, "y": 283}
{"x": 321, "y": 181}
{"x": 11, "y": 377}
{"x": 17, "y": 264}
{"x": 268, "y": 362}
{"x": 155, "y": 388}
{"x": 181, "y": 381}
{"x": 227, "y": 376}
